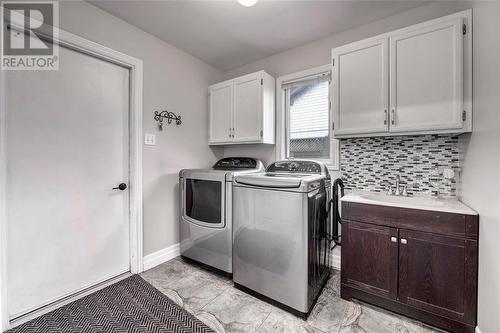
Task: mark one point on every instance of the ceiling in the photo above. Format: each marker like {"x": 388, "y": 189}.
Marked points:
{"x": 228, "y": 35}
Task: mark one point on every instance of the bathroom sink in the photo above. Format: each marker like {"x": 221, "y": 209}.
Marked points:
{"x": 417, "y": 201}
{"x": 422, "y": 203}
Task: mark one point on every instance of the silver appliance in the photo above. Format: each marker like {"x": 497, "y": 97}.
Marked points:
{"x": 281, "y": 233}
{"x": 206, "y": 208}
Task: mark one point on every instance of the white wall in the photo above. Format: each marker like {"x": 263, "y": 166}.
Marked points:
{"x": 480, "y": 179}
{"x": 482, "y": 149}
{"x": 173, "y": 80}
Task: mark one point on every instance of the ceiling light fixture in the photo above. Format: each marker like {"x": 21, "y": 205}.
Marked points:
{"x": 247, "y": 3}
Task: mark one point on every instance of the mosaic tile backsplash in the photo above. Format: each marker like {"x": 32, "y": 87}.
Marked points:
{"x": 368, "y": 163}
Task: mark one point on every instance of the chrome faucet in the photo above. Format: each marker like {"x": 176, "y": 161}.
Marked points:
{"x": 398, "y": 189}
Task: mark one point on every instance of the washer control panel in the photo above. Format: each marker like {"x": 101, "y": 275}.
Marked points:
{"x": 295, "y": 166}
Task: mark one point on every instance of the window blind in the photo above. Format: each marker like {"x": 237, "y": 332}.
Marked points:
{"x": 308, "y": 110}
{"x": 319, "y": 77}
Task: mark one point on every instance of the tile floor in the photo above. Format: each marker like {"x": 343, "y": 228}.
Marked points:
{"x": 214, "y": 300}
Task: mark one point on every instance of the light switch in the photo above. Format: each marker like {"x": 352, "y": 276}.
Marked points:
{"x": 150, "y": 139}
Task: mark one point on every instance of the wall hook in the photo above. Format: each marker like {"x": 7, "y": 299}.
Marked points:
{"x": 169, "y": 116}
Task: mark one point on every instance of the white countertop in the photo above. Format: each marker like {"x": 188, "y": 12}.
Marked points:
{"x": 423, "y": 203}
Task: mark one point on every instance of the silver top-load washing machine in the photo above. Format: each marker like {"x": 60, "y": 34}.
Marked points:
{"x": 281, "y": 233}
{"x": 206, "y": 210}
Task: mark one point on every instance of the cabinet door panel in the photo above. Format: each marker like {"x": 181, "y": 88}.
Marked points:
{"x": 426, "y": 79}
{"x": 437, "y": 274}
{"x": 221, "y": 108}
{"x": 247, "y": 108}
{"x": 360, "y": 87}
{"x": 370, "y": 258}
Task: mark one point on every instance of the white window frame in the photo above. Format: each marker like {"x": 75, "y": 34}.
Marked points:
{"x": 282, "y": 117}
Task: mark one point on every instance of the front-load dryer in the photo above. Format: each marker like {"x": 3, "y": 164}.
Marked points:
{"x": 206, "y": 211}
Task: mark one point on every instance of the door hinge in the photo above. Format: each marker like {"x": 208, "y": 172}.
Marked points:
{"x": 464, "y": 115}
{"x": 464, "y": 29}
{"x": 261, "y": 133}
{"x": 261, "y": 82}
{"x": 333, "y": 62}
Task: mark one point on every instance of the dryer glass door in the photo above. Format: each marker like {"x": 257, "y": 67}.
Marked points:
{"x": 204, "y": 201}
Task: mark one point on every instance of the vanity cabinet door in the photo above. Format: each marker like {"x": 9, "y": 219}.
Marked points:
{"x": 370, "y": 258}
{"x": 438, "y": 274}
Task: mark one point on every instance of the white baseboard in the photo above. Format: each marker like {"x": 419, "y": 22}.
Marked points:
{"x": 159, "y": 257}
{"x": 335, "y": 259}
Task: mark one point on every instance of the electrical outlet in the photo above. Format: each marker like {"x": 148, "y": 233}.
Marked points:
{"x": 150, "y": 139}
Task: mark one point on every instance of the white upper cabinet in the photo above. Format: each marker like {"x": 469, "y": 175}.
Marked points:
{"x": 242, "y": 110}
{"x": 360, "y": 87}
{"x": 247, "y": 100}
{"x": 221, "y": 107}
{"x": 415, "y": 80}
{"x": 426, "y": 71}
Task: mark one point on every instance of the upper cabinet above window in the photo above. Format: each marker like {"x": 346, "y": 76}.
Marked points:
{"x": 360, "y": 87}
{"x": 415, "y": 80}
{"x": 242, "y": 110}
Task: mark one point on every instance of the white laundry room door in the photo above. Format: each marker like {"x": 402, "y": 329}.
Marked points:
{"x": 67, "y": 148}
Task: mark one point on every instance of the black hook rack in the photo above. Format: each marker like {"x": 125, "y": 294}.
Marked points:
{"x": 169, "y": 116}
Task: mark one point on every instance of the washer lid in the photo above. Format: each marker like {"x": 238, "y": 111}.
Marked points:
{"x": 282, "y": 181}
{"x": 271, "y": 180}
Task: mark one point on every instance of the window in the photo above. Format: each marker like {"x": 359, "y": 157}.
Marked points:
{"x": 307, "y": 117}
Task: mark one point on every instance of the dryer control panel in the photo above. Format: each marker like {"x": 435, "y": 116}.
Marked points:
{"x": 236, "y": 163}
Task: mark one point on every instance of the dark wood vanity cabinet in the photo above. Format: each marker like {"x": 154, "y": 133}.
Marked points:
{"x": 376, "y": 270}
{"x": 422, "y": 264}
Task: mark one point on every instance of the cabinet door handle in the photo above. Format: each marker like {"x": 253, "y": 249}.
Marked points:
{"x": 404, "y": 241}
{"x": 229, "y": 132}
{"x": 393, "y": 117}
{"x": 385, "y": 117}
{"x": 394, "y": 239}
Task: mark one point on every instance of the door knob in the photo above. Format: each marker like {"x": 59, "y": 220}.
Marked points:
{"x": 120, "y": 187}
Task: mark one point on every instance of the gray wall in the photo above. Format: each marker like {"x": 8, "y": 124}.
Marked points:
{"x": 173, "y": 80}
{"x": 480, "y": 181}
